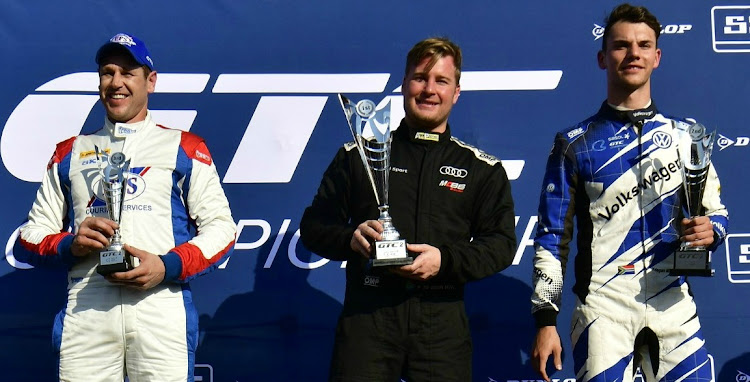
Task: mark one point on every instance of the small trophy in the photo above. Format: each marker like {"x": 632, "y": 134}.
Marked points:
{"x": 695, "y": 156}
{"x": 370, "y": 127}
{"x": 113, "y": 182}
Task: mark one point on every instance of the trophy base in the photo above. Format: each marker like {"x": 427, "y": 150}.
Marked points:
{"x": 692, "y": 262}
{"x": 386, "y": 262}
{"x": 111, "y": 261}
{"x": 391, "y": 252}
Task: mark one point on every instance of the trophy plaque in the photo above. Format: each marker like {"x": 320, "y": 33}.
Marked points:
{"x": 695, "y": 156}
{"x": 113, "y": 171}
{"x": 370, "y": 127}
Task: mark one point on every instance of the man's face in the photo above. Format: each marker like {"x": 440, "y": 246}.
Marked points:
{"x": 430, "y": 96}
{"x": 124, "y": 87}
{"x": 630, "y": 57}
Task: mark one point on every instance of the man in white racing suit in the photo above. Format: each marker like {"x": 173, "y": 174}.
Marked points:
{"x": 175, "y": 221}
{"x": 618, "y": 175}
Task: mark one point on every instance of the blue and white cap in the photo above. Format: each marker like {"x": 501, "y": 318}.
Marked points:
{"x": 131, "y": 44}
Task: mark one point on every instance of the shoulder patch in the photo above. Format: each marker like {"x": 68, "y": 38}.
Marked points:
{"x": 61, "y": 150}
{"x": 481, "y": 155}
{"x": 574, "y": 132}
{"x": 195, "y": 148}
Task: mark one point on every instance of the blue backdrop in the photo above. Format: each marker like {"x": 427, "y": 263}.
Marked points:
{"x": 257, "y": 79}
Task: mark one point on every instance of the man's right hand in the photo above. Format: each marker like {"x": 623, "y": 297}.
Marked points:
{"x": 93, "y": 235}
{"x": 547, "y": 343}
{"x": 363, "y": 237}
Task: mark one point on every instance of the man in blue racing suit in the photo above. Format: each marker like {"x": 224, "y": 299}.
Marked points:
{"x": 618, "y": 174}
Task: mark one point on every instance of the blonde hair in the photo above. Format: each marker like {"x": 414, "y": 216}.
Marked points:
{"x": 435, "y": 48}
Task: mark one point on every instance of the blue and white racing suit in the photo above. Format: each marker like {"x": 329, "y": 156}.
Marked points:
{"x": 623, "y": 187}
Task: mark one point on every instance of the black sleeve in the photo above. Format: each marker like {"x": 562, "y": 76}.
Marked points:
{"x": 325, "y": 227}
{"x": 493, "y": 243}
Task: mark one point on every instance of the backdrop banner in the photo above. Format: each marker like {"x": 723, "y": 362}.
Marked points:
{"x": 258, "y": 80}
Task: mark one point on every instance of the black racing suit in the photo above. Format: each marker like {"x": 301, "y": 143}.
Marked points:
{"x": 444, "y": 193}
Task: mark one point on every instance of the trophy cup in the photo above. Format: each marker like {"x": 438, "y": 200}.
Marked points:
{"x": 695, "y": 156}
{"x": 113, "y": 185}
{"x": 370, "y": 127}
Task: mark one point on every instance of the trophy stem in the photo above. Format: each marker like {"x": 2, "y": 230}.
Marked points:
{"x": 116, "y": 239}
{"x": 389, "y": 231}
{"x": 687, "y": 247}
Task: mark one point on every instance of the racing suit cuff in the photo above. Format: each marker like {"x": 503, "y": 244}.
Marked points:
{"x": 545, "y": 317}
{"x": 172, "y": 267}
{"x": 446, "y": 263}
{"x": 63, "y": 249}
{"x": 717, "y": 241}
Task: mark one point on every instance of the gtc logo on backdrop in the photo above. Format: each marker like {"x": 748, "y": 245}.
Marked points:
{"x": 66, "y": 114}
{"x": 738, "y": 257}
{"x": 730, "y": 28}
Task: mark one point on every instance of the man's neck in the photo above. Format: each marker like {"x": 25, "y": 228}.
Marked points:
{"x": 427, "y": 129}
{"x": 638, "y": 99}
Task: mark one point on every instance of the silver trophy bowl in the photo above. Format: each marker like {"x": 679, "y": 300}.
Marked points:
{"x": 370, "y": 127}
{"x": 113, "y": 171}
{"x": 695, "y": 156}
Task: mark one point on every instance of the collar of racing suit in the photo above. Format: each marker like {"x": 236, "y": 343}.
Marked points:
{"x": 635, "y": 116}
{"x": 423, "y": 137}
{"x": 124, "y": 130}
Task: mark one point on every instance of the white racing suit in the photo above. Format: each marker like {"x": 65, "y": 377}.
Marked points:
{"x": 624, "y": 189}
{"x": 173, "y": 190}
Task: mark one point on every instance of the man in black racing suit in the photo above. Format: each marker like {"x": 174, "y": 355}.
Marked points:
{"x": 450, "y": 201}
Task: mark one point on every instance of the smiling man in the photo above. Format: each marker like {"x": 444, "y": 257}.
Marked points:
{"x": 449, "y": 200}
{"x": 617, "y": 176}
{"x": 139, "y": 321}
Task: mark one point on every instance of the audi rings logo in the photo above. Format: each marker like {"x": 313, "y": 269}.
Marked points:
{"x": 455, "y": 172}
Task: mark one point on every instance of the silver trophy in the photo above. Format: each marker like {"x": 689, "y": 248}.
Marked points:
{"x": 370, "y": 127}
{"x": 695, "y": 156}
{"x": 113, "y": 171}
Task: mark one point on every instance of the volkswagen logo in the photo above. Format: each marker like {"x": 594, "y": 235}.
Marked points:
{"x": 662, "y": 139}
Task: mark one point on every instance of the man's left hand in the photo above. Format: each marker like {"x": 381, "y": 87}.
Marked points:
{"x": 425, "y": 266}
{"x": 149, "y": 273}
{"x": 698, "y": 231}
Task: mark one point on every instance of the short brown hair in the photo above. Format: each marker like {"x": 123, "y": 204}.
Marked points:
{"x": 435, "y": 48}
{"x": 630, "y": 14}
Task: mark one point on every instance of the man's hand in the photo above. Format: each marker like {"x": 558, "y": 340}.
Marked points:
{"x": 93, "y": 235}
{"x": 364, "y": 235}
{"x": 547, "y": 343}
{"x": 698, "y": 231}
{"x": 149, "y": 273}
{"x": 425, "y": 266}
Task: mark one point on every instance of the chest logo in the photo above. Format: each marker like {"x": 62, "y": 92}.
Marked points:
{"x": 662, "y": 139}
{"x": 135, "y": 185}
{"x": 453, "y": 186}
{"x": 452, "y": 171}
